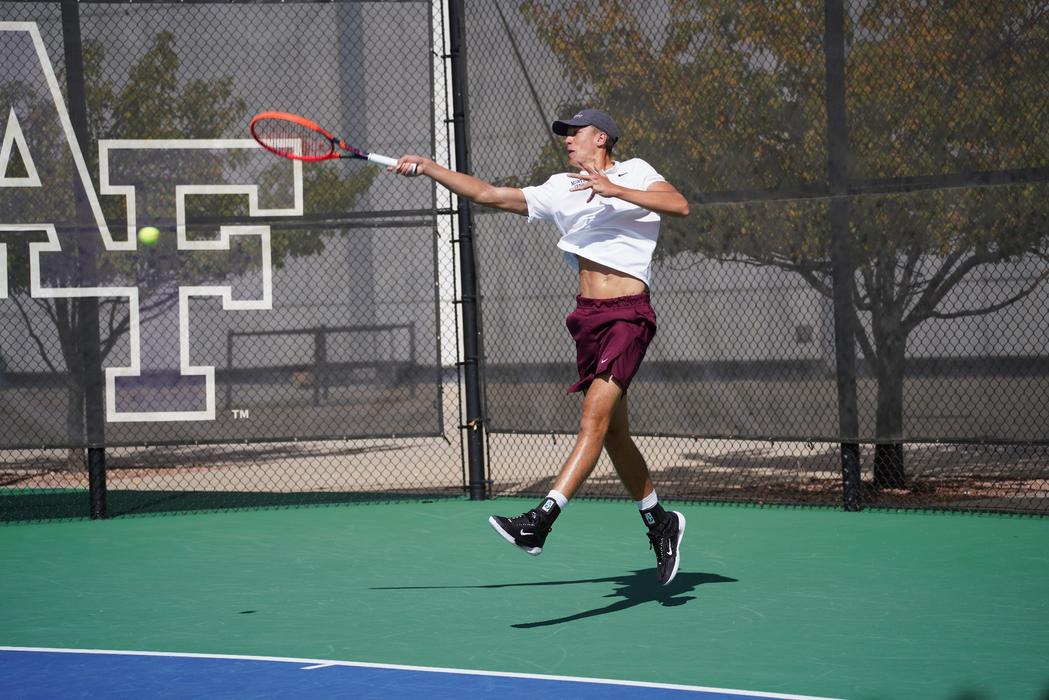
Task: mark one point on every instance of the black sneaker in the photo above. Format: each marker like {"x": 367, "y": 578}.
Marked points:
{"x": 665, "y": 538}
{"x": 527, "y": 530}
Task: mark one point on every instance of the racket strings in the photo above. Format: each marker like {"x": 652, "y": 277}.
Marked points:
{"x": 288, "y": 138}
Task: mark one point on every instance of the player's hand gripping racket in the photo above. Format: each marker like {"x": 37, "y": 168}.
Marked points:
{"x": 298, "y": 138}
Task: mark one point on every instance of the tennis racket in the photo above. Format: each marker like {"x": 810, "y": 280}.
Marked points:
{"x": 298, "y": 138}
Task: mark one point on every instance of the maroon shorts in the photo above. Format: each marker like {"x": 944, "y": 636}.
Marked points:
{"x": 611, "y": 335}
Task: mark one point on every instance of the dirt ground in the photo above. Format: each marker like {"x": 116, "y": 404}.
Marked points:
{"x": 971, "y": 477}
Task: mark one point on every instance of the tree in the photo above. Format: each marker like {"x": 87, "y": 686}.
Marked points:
{"x": 153, "y": 102}
{"x": 729, "y": 96}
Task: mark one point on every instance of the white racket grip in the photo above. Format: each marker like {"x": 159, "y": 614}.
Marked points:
{"x": 381, "y": 160}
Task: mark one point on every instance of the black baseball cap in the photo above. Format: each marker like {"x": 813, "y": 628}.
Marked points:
{"x": 589, "y": 117}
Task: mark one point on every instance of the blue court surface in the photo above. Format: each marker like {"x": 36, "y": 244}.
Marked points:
{"x": 27, "y": 672}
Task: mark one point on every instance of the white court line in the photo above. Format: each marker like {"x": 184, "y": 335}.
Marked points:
{"x": 323, "y": 663}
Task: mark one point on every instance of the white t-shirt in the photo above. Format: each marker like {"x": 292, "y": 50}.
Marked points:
{"x": 607, "y": 230}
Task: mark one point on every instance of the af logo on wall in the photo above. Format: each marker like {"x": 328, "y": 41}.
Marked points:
{"x": 48, "y": 205}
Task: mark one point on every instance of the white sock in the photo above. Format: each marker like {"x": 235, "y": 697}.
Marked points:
{"x": 648, "y": 501}
{"x": 559, "y": 499}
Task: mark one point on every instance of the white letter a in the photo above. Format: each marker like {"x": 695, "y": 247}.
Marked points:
{"x": 14, "y": 138}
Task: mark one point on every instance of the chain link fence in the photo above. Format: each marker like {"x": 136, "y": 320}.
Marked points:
{"x": 292, "y": 337}
{"x": 916, "y": 131}
{"x": 289, "y": 337}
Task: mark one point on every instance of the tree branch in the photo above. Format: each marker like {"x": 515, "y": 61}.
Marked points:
{"x": 868, "y": 283}
{"x": 810, "y": 277}
{"x": 934, "y": 292}
{"x": 866, "y": 346}
{"x": 911, "y": 263}
{"x": 996, "y": 307}
{"x": 33, "y": 334}
{"x": 117, "y": 331}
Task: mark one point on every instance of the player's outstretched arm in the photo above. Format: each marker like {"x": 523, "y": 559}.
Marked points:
{"x": 510, "y": 199}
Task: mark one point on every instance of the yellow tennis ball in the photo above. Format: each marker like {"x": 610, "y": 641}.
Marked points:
{"x": 148, "y": 235}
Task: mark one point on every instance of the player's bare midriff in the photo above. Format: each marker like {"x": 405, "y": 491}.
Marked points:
{"x": 597, "y": 281}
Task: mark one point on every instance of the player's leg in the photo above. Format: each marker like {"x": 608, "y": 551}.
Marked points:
{"x": 529, "y": 530}
{"x": 665, "y": 528}
{"x": 626, "y": 458}
{"x": 599, "y": 404}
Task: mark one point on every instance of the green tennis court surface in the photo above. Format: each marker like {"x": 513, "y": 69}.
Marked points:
{"x": 781, "y": 600}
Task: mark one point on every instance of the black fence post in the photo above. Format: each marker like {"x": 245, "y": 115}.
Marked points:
{"x": 841, "y": 252}
{"x": 87, "y": 255}
{"x": 467, "y": 262}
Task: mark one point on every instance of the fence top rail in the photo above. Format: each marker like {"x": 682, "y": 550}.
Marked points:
{"x": 326, "y": 329}
{"x": 219, "y": 2}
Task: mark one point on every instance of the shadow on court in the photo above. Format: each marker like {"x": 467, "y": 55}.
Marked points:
{"x": 632, "y": 589}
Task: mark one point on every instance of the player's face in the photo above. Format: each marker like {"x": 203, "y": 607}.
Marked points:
{"x": 583, "y": 144}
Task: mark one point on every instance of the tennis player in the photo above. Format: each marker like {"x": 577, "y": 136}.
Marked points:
{"x": 608, "y": 212}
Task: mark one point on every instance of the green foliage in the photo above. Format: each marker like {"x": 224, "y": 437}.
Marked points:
{"x": 699, "y": 91}
{"x": 728, "y": 95}
{"x": 155, "y": 102}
